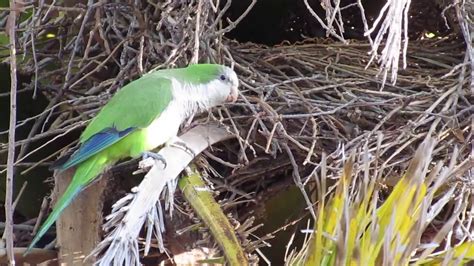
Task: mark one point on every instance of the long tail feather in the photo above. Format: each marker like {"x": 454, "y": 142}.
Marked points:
{"x": 85, "y": 173}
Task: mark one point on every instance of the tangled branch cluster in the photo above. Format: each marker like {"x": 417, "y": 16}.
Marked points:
{"x": 318, "y": 97}
{"x": 298, "y": 100}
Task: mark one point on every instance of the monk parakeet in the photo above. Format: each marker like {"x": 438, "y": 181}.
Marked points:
{"x": 142, "y": 116}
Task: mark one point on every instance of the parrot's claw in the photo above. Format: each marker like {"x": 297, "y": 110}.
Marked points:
{"x": 156, "y": 156}
{"x": 182, "y": 145}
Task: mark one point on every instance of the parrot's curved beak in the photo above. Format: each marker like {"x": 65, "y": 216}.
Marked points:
{"x": 232, "y": 97}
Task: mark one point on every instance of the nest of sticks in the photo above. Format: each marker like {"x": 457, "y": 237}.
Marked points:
{"x": 314, "y": 97}
{"x": 297, "y": 101}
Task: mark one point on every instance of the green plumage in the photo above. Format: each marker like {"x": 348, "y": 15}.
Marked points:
{"x": 123, "y": 107}
{"x": 121, "y": 111}
{"x": 126, "y": 117}
{"x": 193, "y": 74}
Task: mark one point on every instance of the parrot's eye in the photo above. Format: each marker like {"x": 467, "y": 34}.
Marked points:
{"x": 222, "y": 77}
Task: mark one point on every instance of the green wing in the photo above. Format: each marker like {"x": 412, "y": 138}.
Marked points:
{"x": 135, "y": 106}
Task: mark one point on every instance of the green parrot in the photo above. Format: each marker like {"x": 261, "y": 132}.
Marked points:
{"x": 143, "y": 115}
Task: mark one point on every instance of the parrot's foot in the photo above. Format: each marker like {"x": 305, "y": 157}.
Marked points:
{"x": 178, "y": 143}
{"x": 153, "y": 155}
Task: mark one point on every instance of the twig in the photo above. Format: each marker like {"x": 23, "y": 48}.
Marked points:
{"x": 20, "y": 193}
{"x": 195, "y": 58}
{"x": 23, "y": 227}
{"x": 395, "y": 25}
{"x": 233, "y": 24}
{"x": 329, "y": 28}
{"x": 43, "y": 210}
{"x": 8, "y": 234}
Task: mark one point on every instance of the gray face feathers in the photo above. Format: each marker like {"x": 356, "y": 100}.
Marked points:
{"x": 229, "y": 77}
{"x": 206, "y": 85}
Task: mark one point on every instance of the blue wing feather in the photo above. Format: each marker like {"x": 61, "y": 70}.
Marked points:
{"x": 95, "y": 144}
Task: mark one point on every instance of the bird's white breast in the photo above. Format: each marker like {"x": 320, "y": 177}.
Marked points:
{"x": 166, "y": 126}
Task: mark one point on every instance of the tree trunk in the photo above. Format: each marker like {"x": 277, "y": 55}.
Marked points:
{"x": 79, "y": 226}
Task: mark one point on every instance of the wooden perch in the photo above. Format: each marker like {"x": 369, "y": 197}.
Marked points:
{"x": 78, "y": 227}
{"x": 130, "y": 213}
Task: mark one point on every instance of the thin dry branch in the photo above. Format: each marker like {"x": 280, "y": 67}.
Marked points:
{"x": 394, "y": 32}
{"x": 331, "y": 13}
{"x": 8, "y": 235}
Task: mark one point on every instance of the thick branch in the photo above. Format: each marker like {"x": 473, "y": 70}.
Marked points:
{"x": 131, "y": 212}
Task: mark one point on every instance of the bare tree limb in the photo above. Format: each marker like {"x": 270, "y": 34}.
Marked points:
{"x": 8, "y": 233}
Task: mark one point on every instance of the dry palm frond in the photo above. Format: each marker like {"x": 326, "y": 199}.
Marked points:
{"x": 353, "y": 228}
{"x": 142, "y": 206}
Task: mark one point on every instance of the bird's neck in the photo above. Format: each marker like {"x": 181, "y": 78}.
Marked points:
{"x": 195, "y": 98}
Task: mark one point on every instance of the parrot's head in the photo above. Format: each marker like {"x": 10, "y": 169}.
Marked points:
{"x": 228, "y": 83}
{"x": 229, "y": 77}
{"x": 210, "y": 85}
